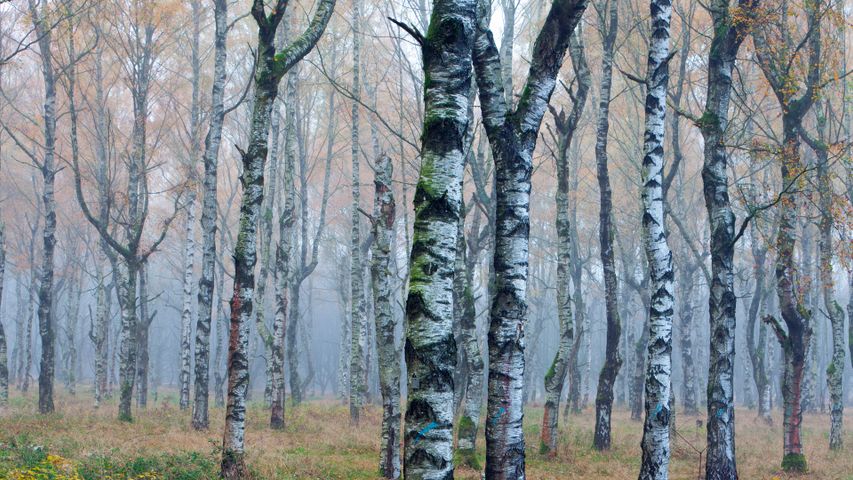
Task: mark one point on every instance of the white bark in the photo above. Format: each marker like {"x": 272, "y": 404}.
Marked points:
{"x": 430, "y": 345}
{"x": 186, "y": 309}
{"x": 208, "y": 223}
{"x": 655, "y": 443}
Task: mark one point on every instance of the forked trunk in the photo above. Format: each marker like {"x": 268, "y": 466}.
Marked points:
{"x": 270, "y": 68}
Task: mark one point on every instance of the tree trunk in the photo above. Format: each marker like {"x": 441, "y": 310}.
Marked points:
{"x": 688, "y": 399}
{"x": 245, "y": 257}
{"x": 794, "y": 106}
{"x": 384, "y": 215}
{"x": 512, "y": 134}
{"x": 270, "y": 68}
{"x": 796, "y": 340}
{"x": 128, "y": 337}
{"x": 283, "y": 254}
{"x": 75, "y": 292}
{"x": 4, "y": 360}
{"x": 46, "y": 165}
{"x": 470, "y": 420}
{"x": 835, "y": 370}
{"x": 208, "y": 224}
{"x": 18, "y": 351}
{"x": 566, "y": 351}
{"x": 573, "y": 400}
{"x": 430, "y": 346}
{"x": 638, "y": 367}
{"x": 99, "y": 332}
{"x": 655, "y": 443}
{"x": 757, "y": 347}
{"x": 144, "y": 325}
{"x": 186, "y": 310}
{"x": 358, "y": 339}
{"x": 346, "y": 343}
{"x": 27, "y": 360}
{"x": 189, "y": 227}
{"x": 132, "y": 262}
{"x": 221, "y": 327}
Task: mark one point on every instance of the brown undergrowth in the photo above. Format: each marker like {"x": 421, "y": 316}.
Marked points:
{"x": 319, "y": 443}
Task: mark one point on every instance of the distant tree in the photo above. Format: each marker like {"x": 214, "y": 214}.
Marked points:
{"x": 565, "y": 129}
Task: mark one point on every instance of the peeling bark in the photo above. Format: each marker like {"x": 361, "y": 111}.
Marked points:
{"x": 469, "y": 421}
{"x": 384, "y": 214}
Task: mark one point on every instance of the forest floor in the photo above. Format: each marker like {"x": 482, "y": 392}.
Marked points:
{"x": 318, "y": 443}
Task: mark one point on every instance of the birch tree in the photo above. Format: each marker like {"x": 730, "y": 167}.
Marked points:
{"x": 358, "y": 311}
{"x": 384, "y": 215}
{"x": 271, "y": 65}
{"x": 430, "y": 346}
{"x": 190, "y": 208}
{"x": 40, "y": 16}
{"x": 795, "y": 99}
{"x": 835, "y": 371}
{"x": 655, "y": 443}
{"x": 512, "y": 134}
{"x": 126, "y": 242}
{"x": 730, "y": 29}
{"x": 565, "y": 127}
{"x": 283, "y": 256}
{"x": 820, "y": 144}
{"x": 4, "y": 358}
{"x": 143, "y": 327}
{"x": 208, "y": 219}
{"x": 608, "y": 24}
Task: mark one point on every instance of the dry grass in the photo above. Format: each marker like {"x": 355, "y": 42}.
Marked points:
{"x": 319, "y": 443}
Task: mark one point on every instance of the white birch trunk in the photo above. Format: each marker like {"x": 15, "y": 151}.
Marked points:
{"x": 358, "y": 329}
{"x": 384, "y": 215}
{"x": 208, "y": 224}
{"x": 4, "y": 359}
{"x": 655, "y": 443}
{"x": 186, "y": 309}
{"x": 430, "y": 345}
{"x": 512, "y": 135}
